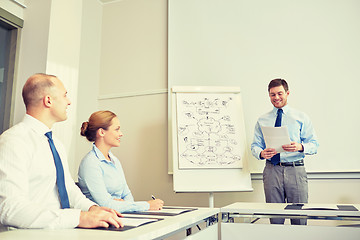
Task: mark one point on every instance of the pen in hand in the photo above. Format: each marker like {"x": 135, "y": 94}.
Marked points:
{"x": 155, "y": 204}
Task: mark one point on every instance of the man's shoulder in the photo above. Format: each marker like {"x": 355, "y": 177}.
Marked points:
{"x": 18, "y": 131}
{"x": 265, "y": 115}
{"x": 298, "y": 113}
{"x": 90, "y": 158}
{"x": 16, "y": 137}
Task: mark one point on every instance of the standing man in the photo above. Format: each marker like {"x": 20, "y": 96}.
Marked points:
{"x": 284, "y": 175}
{"x": 36, "y": 189}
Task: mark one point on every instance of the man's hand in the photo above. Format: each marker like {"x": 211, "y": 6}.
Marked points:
{"x": 100, "y": 217}
{"x": 268, "y": 153}
{"x": 293, "y": 147}
{"x": 156, "y": 204}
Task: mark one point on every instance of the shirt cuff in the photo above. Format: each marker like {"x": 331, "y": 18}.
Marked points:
{"x": 143, "y": 206}
{"x": 303, "y": 149}
{"x": 70, "y": 218}
{"x": 86, "y": 204}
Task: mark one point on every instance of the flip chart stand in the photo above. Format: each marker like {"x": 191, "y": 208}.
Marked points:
{"x": 211, "y": 200}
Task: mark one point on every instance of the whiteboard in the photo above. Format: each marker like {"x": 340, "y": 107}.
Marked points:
{"x": 314, "y": 45}
{"x": 209, "y": 140}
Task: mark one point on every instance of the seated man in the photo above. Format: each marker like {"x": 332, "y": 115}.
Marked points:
{"x": 36, "y": 189}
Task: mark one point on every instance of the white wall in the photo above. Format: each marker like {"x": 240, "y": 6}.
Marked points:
{"x": 138, "y": 64}
{"x": 311, "y": 44}
{"x": 89, "y": 74}
{"x": 63, "y": 61}
{"x": 33, "y": 48}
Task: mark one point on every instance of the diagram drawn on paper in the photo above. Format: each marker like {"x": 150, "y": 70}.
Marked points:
{"x": 208, "y": 131}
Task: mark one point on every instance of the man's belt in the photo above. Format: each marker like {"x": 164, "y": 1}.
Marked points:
{"x": 291, "y": 164}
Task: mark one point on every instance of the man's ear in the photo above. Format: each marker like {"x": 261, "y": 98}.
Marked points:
{"x": 47, "y": 101}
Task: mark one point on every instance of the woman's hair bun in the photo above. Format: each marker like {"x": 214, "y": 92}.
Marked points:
{"x": 84, "y": 128}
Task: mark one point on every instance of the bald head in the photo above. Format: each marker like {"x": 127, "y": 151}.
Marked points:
{"x": 36, "y": 87}
{"x": 45, "y": 98}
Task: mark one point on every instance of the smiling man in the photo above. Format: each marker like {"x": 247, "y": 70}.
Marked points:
{"x": 284, "y": 176}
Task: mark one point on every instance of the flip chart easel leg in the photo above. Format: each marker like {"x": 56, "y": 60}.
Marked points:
{"x": 211, "y": 200}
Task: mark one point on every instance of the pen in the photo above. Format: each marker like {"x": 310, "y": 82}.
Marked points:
{"x": 153, "y": 197}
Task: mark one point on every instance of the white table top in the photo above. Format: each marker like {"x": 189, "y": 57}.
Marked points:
{"x": 279, "y": 208}
{"x": 150, "y": 231}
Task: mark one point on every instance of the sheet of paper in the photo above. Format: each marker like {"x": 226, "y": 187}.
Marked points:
{"x": 171, "y": 210}
{"x": 319, "y": 206}
{"x": 135, "y": 222}
{"x": 275, "y": 137}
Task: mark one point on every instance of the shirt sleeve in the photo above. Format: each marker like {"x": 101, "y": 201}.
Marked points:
{"x": 77, "y": 198}
{"x": 16, "y": 208}
{"x": 258, "y": 143}
{"x": 91, "y": 174}
{"x": 126, "y": 194}
{"x": 308, "y": 138}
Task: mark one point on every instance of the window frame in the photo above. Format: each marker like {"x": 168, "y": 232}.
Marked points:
{"x": 13, "y": 24}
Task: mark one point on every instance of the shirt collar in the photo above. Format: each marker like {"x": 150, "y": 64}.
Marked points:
{"x": 285, "y": 109}
{"x": 36, "y": 124}
{"x": 100, "y": 155}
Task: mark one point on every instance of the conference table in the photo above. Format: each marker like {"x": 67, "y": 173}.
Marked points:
{"x": 199, "y": 223}
{"x": 325, "y": 221}
{"x": 238, "y": 221}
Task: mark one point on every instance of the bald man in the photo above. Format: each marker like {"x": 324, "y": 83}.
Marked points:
{"x": 29, "y": 194}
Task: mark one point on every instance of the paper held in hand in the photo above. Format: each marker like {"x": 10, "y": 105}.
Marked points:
{"x": 275, "y": 137}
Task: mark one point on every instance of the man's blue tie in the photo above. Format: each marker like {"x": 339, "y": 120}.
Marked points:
{"x": 60, "y": 180}
{"x": 276, "y": 158}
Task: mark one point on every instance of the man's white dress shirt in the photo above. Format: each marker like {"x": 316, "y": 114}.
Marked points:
{"x": 28, "y": 193}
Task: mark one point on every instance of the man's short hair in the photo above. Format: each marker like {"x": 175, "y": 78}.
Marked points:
{"x": 278, "y": 82}
{"x": 36, "y": 87}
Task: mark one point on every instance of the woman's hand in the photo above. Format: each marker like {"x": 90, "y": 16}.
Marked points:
{"x": 156, "y": 204}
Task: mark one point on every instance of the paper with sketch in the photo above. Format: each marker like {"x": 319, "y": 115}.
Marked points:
{"x": 275, "y": 137}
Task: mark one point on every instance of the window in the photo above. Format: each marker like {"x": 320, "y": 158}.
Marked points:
{"x": 9, "y": 28}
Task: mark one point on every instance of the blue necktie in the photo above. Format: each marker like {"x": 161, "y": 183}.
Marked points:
{"x": 60, "y": 180}
{"x": 276, "y": 158}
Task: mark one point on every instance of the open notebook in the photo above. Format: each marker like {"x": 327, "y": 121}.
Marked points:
{"x": 301, "y": 206}
{"x": 131, "y": 222}
{"x": 166, "y": 211}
